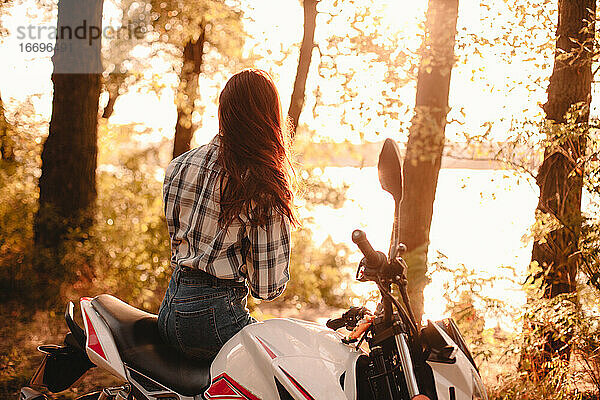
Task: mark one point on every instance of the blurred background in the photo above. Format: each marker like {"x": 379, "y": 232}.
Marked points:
{"x": 479, "y": 94}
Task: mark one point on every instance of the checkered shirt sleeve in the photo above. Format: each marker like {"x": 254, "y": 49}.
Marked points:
{"x": 269, "y": 257}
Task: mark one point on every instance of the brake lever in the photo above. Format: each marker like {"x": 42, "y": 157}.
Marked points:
{"x": 335, "y": 323}
{"x": 349, "y": 319}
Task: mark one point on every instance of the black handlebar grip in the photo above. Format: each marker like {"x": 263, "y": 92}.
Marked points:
{"x": 335, "y": 324}
{"x": 374, "y": 258}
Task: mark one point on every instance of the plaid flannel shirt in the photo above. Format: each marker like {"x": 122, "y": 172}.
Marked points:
{"x": 191, "y": 194}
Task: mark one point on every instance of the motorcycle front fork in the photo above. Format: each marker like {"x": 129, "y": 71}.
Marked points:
{"x": 394, "y": 376}
{"x": 407, "y": 364}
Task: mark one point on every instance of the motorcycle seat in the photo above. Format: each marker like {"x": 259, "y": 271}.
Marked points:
{"x": 141, "y": 348}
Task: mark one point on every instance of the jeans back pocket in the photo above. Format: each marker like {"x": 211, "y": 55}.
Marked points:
{"x": 197, "y": 332}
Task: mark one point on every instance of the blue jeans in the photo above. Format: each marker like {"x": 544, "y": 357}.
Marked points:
{"x": 200, "y": 312}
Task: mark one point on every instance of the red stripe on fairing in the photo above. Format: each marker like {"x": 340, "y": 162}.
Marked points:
{"x": 267, "y": 349}
{"x": 297, "y": 385}
{"x": 223, "y": 387}
{"x": 93, "y": 342}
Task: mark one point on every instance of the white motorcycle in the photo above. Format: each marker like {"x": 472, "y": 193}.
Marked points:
{"x": 387, "y": 356}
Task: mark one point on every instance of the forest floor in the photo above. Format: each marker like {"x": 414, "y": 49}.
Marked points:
{"x": 21, "y": 333}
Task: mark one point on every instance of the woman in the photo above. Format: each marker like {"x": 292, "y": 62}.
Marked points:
{"x": 228, "y": 206}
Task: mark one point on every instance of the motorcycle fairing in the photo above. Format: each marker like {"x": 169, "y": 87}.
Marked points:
{"x": 456, "y": 377}
{"x": 307, "y": 359}
{"x": 100, "y": 345}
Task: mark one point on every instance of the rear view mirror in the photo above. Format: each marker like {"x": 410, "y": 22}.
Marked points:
{"x": 390, "y": 169}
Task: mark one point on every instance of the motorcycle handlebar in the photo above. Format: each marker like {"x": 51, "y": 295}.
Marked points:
{"x": 374, "y": 258}
{"x": 335, "y": 324}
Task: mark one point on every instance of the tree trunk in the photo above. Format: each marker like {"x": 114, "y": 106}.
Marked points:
{"x": 426, "y": 142}
{"x": 306, "y": 49}
{"x": 560, "y": 177}
{"x": 7, "y": 154}
{"x": 68, "y": 181}
{"x": 187, "y": 93}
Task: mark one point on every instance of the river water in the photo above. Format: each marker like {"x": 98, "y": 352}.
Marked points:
{"x": 480, "y": 220}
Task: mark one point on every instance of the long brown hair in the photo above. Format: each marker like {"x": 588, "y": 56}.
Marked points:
{"x": 254, "y": 154}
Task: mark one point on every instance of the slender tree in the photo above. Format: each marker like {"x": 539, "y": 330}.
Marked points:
{"x": 560, "y": 178}
{"x": 192, "y": 29}
{"x": 426, "y": 141}
{"x": 193, "y": 53}
{"x": 68, "y": 181}
{"x": 306, "y": 50}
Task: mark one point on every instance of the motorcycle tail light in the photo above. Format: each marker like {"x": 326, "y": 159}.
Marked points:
{"x": 420, "y": 397}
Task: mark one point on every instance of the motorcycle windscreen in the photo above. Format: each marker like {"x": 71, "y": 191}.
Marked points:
{"x": 61, "y": 367}
{"x": 449, "y": 326}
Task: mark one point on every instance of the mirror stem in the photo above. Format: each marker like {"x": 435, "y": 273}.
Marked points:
{"x": 393, "y": 252}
